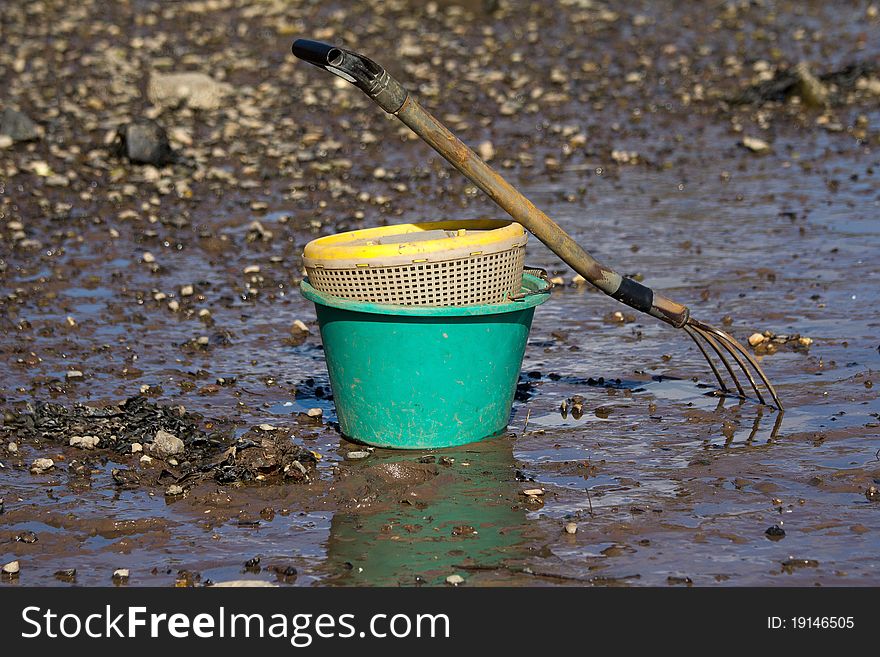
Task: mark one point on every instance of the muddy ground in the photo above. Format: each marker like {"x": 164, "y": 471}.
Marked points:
{"x": 624, "y": 121}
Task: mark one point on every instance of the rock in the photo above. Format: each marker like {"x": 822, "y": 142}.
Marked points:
{"x": 166, "y": 444}
{"x": 145, "y": 460}
{"x": 136, "y": 448}
{"x": 298, "y": 326}
{"x": 11, "y": 568}
{"x": 187, "y": 291}
{"x": 355, "y": 456}
{"x": 120, "y": 575}
{"x": 18, "y": 126}
{"x": 775, "y": 533}
{"x": 756, "y": 338}
{"x": 455, "y": 580}
{"x": 174, "y": 490}
{"x": 624, "y": 157}
{"x": 85, "y": 442}
{"x": 571, "y": 528}
{"x": 143, "y": 142}
{"x": 314, "y": 412}
{"x": 73, "y": 375}
{"x": 872, "y": 494}
{"x": 5, "y": 141}
{"x": 486, "y": 150}
{"x": 755, "y": 145}
{"x": 809, "y": 88}
{"x": 148, "y": 258}
{"x": 267, "y": 427}
{"x": 12, "y": 448}
{"x": 66, "y": 575}
{"x": 42, "y": 465}
{"x": 193, "y": 89}
{"x": 26, "y": 537}
{"x": 533, "y": 492}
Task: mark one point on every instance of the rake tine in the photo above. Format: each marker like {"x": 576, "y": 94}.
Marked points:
{"x": 730, "y": 343}
{"x": 708, "y": 338}
{"x": 703, "y": 351}
{"x": 743, "y": 367}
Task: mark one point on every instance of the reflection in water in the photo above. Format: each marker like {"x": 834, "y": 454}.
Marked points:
{"x": 423, "y": 520}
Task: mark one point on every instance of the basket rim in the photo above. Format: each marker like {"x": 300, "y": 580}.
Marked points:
{"x": 539, "y": 293}
{"x": 347, "y": 250}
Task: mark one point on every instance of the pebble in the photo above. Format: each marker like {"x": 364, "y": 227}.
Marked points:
{"x": 146, "y": 460}
{"x": 11, "y": 568}
{"x": 42, "y": 465}
{"x": 187, "y": 291}
{"x": 12, "y": 448}
{"x": 268, "y": 427}
{"x": 84, "y": 442}
{"x": 195, "y": 90}
{"x": 314, "y": 412}
{"x": 5, "y": 141}
{"x": 18, "y": 126}
{"x": 136, "y": 448}
{"x": 756, "y": 145}
{"x": 166, "y": 444}
{"x": 872, "y": 494}
{"x": 299, "y": 326}
{"x": 486, "y": 150}
{"x": 756, "y": 338}
{"x": 354, "y": 456}
{"x": 775, "y": 532}
{"x": 74, "y": 374}
{"x": 809, "y": 88}
{"x": 143, "y": 142}
{"x": 455, "y": 580}
{"x": 571, "y": 528}
{"x": 148, "y": 257}
{"x": 121, "y": 574}
{"x": 533, "y": 492}
{"x": 173, "y": 490}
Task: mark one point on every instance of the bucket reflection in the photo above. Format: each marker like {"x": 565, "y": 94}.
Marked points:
{"x": 441, "y": 517}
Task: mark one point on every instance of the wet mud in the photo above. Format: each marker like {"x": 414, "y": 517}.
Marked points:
{"x": 683, "y": 145}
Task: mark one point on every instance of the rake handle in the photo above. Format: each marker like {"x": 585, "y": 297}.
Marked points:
{"x": 391, "y": 96}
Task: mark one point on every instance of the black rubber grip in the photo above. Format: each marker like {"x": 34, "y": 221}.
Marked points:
{"x": 635, "y": 295}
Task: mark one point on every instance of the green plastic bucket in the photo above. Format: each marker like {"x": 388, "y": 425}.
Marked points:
{"x": 417, "y": 377}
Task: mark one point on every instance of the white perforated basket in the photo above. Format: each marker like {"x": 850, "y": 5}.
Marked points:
{"x": 432, "y": 264}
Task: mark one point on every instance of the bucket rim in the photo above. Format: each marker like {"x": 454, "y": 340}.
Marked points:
{"x": 531, "y": 284}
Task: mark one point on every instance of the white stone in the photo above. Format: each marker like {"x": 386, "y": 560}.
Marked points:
{"x": 41, "y": 465}
{"x": 166, "y": 444}
{"x": 85, "y": 442}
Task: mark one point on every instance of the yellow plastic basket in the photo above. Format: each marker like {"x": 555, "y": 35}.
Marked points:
{"x": 442, "y": 263}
